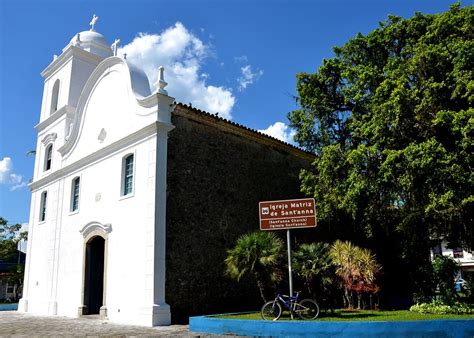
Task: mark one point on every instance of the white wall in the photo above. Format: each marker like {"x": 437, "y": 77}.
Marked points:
{"x": 127, "y": 242}
{"x": 111, "y": 106}
{"x": 80, "y": 72}
{"x": 63, "y": 74}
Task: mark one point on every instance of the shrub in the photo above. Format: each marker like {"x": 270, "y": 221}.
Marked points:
{"x": 438, "y": 307}
{"x": 445, "y": 269}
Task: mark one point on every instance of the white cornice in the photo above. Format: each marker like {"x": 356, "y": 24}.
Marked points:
{"x": 92, "y": 43}
{"x": 139, "y": 135}
{"x": 67, "y": 54}
{"x": 154, "y": 99}
{"x": 68, "y": 110}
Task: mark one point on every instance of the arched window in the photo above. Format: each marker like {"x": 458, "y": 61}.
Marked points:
{"x": 127, "y": 175}
{"x": 48, "y": 155}
{"x": 44, "y": 197}
{"x": 75, "y": 186}
{"x": 54, "y": 97}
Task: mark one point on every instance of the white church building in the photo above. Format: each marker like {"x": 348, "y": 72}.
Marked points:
{"x": 100, "y": 128}
{"x": 103, "y": 199}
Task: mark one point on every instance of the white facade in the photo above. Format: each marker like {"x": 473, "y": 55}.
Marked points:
{"x": 97, "y": 110}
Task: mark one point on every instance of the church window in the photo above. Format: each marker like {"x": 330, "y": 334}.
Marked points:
{"x": 48, "y": 157}
{"x": 44, "y": 197}
{"x": 55, "y": 97}
{"x": 75, "y": 194}
{"x": 127, "y": 170}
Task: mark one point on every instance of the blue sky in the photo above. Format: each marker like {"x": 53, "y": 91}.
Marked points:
{"x": 236, "y": 57}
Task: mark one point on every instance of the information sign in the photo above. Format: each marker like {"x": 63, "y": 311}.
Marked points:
{"x": 287, "y": 214}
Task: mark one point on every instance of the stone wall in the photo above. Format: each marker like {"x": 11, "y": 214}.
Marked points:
{"x": 217, "y": 174}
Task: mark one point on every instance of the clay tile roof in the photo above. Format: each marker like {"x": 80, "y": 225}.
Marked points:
{"x": 260, "y": 135}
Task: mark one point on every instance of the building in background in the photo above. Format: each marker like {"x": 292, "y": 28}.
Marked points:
{"x": 464, "y": 258}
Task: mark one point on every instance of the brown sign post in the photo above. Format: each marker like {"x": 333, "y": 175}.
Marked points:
{"x": 286, "y": 215}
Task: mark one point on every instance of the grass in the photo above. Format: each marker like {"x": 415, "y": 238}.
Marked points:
{"x": 359, "y": 315}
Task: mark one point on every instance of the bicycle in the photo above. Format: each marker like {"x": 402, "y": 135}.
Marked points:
{"x": 306, "y": 309}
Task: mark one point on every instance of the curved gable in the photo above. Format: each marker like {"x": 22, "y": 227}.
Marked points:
{"x": 114, "y": 103}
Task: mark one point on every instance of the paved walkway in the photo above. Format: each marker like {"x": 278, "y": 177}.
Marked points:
{"x": 13, "y": 323}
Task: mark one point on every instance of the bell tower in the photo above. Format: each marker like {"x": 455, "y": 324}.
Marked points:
{"x": 65, "y": 77}
{"x": 64, "y": 80}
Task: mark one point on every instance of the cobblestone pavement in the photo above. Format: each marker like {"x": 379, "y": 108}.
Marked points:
{"x": 13, "y": 323}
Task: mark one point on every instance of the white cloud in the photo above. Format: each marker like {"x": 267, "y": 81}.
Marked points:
{"x": 248, "y": 77}
{"x": 182, "y": 54}
{"x": 7, "y": 177}
{"x": 280, "y": 131}
{"x": 18, "y": 186}
{"x": 242, "y": 58}
{"x": 5, "y": 167}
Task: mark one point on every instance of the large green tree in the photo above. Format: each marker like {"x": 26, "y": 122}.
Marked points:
{"x": 391, "y": 120}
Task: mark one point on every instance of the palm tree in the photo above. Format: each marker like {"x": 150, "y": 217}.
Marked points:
{"x": 357, "y": 268}
{"x": 314, "y": 265}
{"x": 256, "y": 254}
{"x": 343, "y": 257}
{"x": 369, "y": 269}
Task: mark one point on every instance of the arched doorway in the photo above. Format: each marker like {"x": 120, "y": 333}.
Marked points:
{"x": 94, "y": 275}
{"x": 94, "y": 269}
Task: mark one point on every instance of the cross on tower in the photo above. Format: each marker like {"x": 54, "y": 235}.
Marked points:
{"x": 114, "y": 46}
{"x": 93, "y": 22}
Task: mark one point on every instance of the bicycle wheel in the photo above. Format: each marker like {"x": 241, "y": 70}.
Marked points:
{"x": 307, "y": 309}
{"x": 271, "y": 310}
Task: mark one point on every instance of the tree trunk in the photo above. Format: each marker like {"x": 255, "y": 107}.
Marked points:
{"x": 348, "y": 297}
{"x": 261, "y": 287}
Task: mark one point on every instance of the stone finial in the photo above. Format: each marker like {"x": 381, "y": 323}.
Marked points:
{"x": 77, "y": 42}
{"x": 93, "y": 22}
{"x": 114, "y": 46}
{"x": 161, "y": 83}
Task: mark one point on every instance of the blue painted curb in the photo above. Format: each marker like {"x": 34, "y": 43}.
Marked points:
{"x": 9, "y": 307}
{"x": 455, "y": 328}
